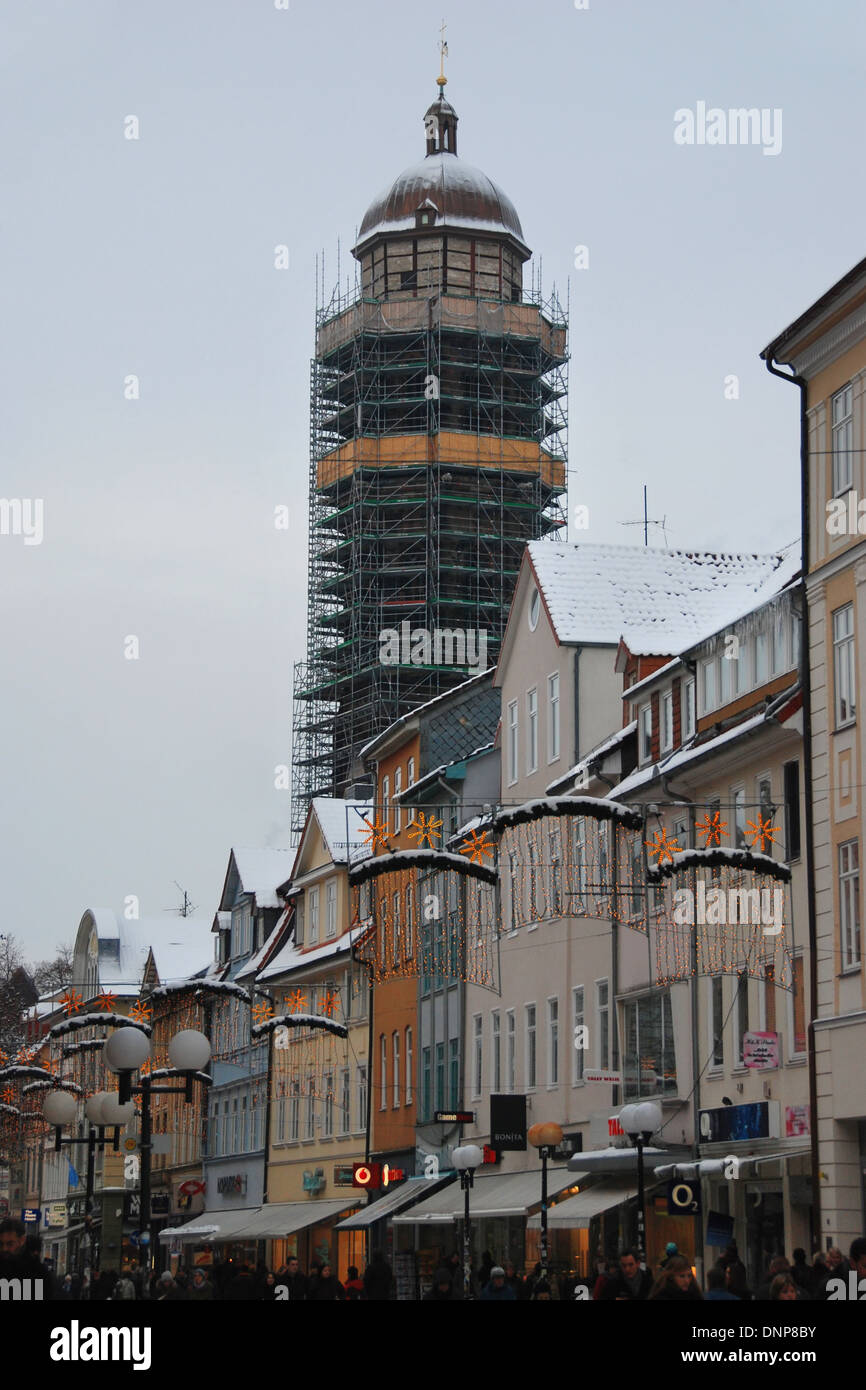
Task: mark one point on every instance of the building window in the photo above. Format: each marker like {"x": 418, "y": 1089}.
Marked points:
{"x": 533, "y": 884}
{"x": 510, "y": 1050}
{"x": 645, "y": 733}
{"x": 553, "y": 717}
{"x": 717, "y": 1021}
{"x": 328, "y": 1127}
{"x": 740, "y": 818}
{"x": 426, "y": 1083}
{"x": 410, "y": 779}
{"x": 742, "y": 1016}
{"x": 531, "y": 730}
{"x": 743, "y": 666}
{"x": 386, "y": 803}
{"x": 398, "y": 787}
{"x": 766, "y": 810}
{"x": 440, "y": 1076}
{"x": 708, "y": 690}
{"x": 408, "y": 935}
{"x": 579, "y": 1032}
{"x": 395, "y": 1079}
{"x": 849, "y": 903}
{"x": 477, "y": 1056}
{"x": 688, "y": 709}
{"x": 637, "y": 877}
{"x": 531, "y": 1047}
{"x": 311, "y": 1108}
{"x": 797, "y": 1007}
{"x": 791, "y": 783}
{"x": 362, "y": 1095}
{"x": 843, "y": 439}
{"x": 648, "y": 1057}
{"x": 495, "y": 1057}
{"x": 761, "y": 658}
{"x": 331, "y": 907}
{"x": 512, "y": 742}
{"x": 383, "y": 1072}
{"x": 555, "y": 843}
{"x": 410, "y": 1066}
{"x": 454, "y": 1073}
{"x": 395, "y": 928}
{"x": 602, "y": 1023}
{"x": 345, "y": 1114}
{"x": 553, "y": 1042}
{"x": 534, "y": 609}
{"x": 578, "y": 901}
{"x": 780, "y": 640}
{"x": 769, "y": 999}
{"x": 514, "y": 877}
{"x": 313, "y": 916}
{"x": 843, "y": 665}
{"x": 667, "y": 721}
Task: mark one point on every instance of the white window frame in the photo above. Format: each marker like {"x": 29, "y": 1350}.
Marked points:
{"x": 477, "y": 1055}
{"x": 408, "y": 935}
{"x": 578, "y": 1019}
{"x": 312, "y": 934}
{"x": 395, "y": 1065}
{"x": 553, "y": 740}
{"x": 495, "y": 1051}
{"x": 842, "y": 437}
{"x": 398, "y": 787}
{"x": 738, "y": 802}
{"x": 552, "y": 1042}
{"x": 739, "y": 1029}
{"x": 844, "y": 666}
{"x": 331, "y": 909}
{"x": 386, "y": 804}
{"x": 409, "y": 1065}
{"x": 345, "y": 1101}
{"x": 795, "y": 1054}
{"x": 328, "y": 1116}
{"x": 532, "y": 730}
{"x": 602, "y": 1025}
{"x": 666, "y": 721}
{"x": 645, "y": 734}
{"x": 510, "y": 1051}
{"x": 709, "y": 682}
{"x": 383, "y": 1079}
{"x": 850, "y": 916}
{"x": 530, "y": 1017}
{"x": 361, "y": 1077}
{"x": 310, "y": 1117}
{"x": 513, "y": 742}
{"x": 689, "y": 711}
{"x": 714, "y": 1067}
{"x": 762, "y": 636}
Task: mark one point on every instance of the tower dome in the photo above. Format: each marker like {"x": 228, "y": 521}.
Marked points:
{"x": 442, "y": 191}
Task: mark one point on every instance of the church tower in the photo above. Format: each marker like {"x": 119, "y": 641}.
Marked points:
{"x": 438, "y": 430}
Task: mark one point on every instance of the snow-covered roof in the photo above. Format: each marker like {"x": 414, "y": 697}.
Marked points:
{"x": 775, "y": 583}
{"x": 657, "y": 601}
{"x": 182, "y": 946}
{"x": 265, "y": 951}
{"x": 401, "y": 798}
{"x": 667, "y": 765}
{"x": 262, "y": 871}
{"x": 290, "y": 957}
{"x": 599, "y": 751}
{"x": 342, "y": 826}
{"x": 463, "y": 196}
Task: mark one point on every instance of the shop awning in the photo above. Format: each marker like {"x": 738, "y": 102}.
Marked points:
{"x": 712, "y": 1167}
{"x": 625, "y": 1160}
{"x": 494, "y": 1194}
{"x": 401, "y": 1197}
{"x": 211, "y": 1226}
{"x": 575, "y": 1213}
{"x": 276, "y": 1219}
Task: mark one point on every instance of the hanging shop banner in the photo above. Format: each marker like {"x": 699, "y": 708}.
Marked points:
{"x": 508, "y": 1123}
{"x": 761, "y": 1050}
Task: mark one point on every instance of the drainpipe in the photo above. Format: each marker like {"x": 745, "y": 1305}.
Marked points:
{"x": 806, "y": 687}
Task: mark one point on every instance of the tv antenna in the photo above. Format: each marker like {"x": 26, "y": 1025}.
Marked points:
{"x": 646, "y": 523}
{"x": 187, "y": 907}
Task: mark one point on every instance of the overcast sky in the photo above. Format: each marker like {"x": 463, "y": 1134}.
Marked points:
{"x": 154, "y": 258}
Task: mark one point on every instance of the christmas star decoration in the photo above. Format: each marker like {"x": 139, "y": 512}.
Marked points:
{"x": 426, "y": 828}
{"x": 711, "y": 827}
{"x": 661, "y": 848}
{"x": 262, "y": 1012}
{"x": 476, "y": 846}
{"x": 762, "y": 830}
{"x": 140, "y": 1011}
{"x": 377, "y": 833}
{"x": 106, "y": 1001}
{"x": 297, "y": 1001}
{"x": 71, "y": 1001}
{"x": 8, "y": 1095}
{"x": 330, "y": 1002}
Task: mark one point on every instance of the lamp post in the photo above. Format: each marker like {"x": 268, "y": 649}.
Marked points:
{"x": 124, "y": 1052}
{"x": 466, "y": 1159}
{"x": 103, "y": 1111}
{"x": 640, "y": 1123}
{"x": 545, "y": 1136}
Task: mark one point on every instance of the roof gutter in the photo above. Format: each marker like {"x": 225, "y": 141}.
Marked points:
{"x": 806, "y": 687}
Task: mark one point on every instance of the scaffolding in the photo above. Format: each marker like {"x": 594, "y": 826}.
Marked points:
{"x": 438, "y": 449}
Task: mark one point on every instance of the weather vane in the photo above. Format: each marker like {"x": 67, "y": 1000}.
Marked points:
{"x": 443, "y": 54}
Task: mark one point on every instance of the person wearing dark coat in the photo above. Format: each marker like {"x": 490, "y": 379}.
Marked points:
{"x": 716, "y": 1291}
{"x": 676, "y": 1283}
{"x": 496, "y": 1290}
{"x": 296, "y": 1282}
{"x": 354, "y": 1286}
{"x": 377, "y": 1277}
{"x": 243, "y": 1288}
{"x": 17, "y": 1261}
{"x": 326, "y": 1287}
{"x": 801, "y": 1272}
{"x": 443, "y": 1288}
{"x": 630, "y": 1282}
{"x": 454, "y": 1265}
{"x": 778, "y": 1265}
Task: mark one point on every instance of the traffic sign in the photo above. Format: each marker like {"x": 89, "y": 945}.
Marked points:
{"x": 133, "y": 1238}
{"x": 130, "y": 1145}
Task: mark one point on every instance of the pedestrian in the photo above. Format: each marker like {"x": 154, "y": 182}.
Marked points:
{"x": 19, "y": 1262}
{"x": 455, "y": 1266}
{"x": 542, "y": 1292}
{"x": 377, "y": 1277}
{"x": 124, "y": 1289}
{"x": 801, "y": 1272}
{"x": 354, "y": 1286}
{"x": 169, "y": 1292}
{"x": 716, "y": 1290}
{"x": 735, "y": 1281}
{"x": 269, "y": 1288}
{"x": 840, "y": 1268}
{"x": 243, "y": 1287}
{"x": 201, "y": 1290}
{"x": 778, "y": 1265}
{"x": 485, "y": 1269}
{"x": 442, "y": 1290}
{"x": 676, "y": 1283}
{"x": 783, "y": 1288}
{"x": 670, "y": 1252}
{"x": 297, "y": 1283}
{"x": 66, "y": 1292}
{"x": 512, "y": 1279}
{"x": 496, "y": 1290}
{"x": 326, "y": 1288}
{"x": 629, "y": 1282}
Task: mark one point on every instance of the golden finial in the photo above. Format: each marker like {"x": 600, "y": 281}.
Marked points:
{"x": 443, "y": 54}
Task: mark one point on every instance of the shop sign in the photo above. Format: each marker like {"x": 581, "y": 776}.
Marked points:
{"x": 508, "y": 1123}
{"x": 55, "y": 1215}
{"x": 797, "y": 1123}
{"x": 734, "y": 1123}
{"x": 160, "y": 1204}
{"x": 375, "y": 1174}
{"x": 684, "y": 1198}
{"x": 761, "y": 1050}
{"x": 31, "y": 1216}
{"x": 314, "y": 1181}
{"x": 232, "y": 1184}
{"x": 344, "y": 1175}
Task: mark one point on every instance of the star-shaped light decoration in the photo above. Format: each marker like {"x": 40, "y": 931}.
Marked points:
{"x": 711, "y": 828}
{"x": 661, "y": 848}
{"x": 4, "y": 1057}
{"x": 8, "y": 1095}
{"x": 426, "y": 827}
{"x": 476, "y": 846}
{"x": 140, "y": 1011}
{"x": 330, "y": 1003}
{"x": 377, "y": 833}
{"x": 105, "y": 1001}
{"x": 762, "y": 830}
{"x": 296, "y": 1001}
{"x": 71, "y": 1001}
{"x": 262, "y": 1012}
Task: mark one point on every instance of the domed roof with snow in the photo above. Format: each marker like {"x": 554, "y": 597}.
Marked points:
{"x": 461, "y": 195}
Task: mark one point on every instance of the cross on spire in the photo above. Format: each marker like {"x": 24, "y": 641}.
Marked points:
{"x": 443, "y": 54}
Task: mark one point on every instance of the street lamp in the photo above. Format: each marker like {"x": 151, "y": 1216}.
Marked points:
{"x": 466, "y": 1159}
{"x": 61, "y": 1108}
{"x": 545, "y": 1136}
{"x": 640, "y": 1123}
{"x": 124, "y": 1052}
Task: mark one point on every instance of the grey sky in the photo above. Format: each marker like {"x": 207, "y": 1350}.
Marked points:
{"x": 259, "y": 127}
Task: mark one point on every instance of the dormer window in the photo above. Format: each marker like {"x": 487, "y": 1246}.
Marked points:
{"x": 426, "y": 214}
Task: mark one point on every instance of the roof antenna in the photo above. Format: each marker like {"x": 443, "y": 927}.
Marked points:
{"x": 443, "y": 54}
{"x": 646, "y": 523}
{"x": 187, "y": 907}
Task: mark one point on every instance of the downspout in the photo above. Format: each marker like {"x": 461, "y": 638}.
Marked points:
{"x": 806, "y": 687}
{"x": 577, "y": 704}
